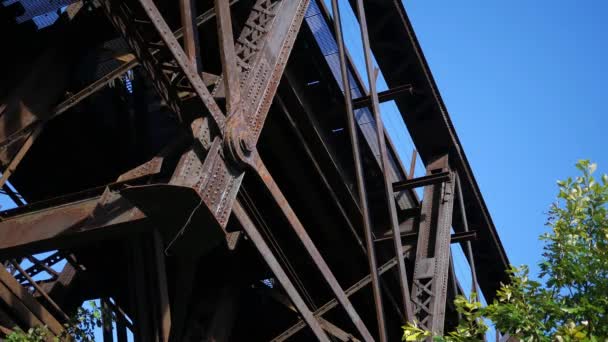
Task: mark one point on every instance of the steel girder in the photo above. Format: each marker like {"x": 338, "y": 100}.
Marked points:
{"x": 208, "y": 175}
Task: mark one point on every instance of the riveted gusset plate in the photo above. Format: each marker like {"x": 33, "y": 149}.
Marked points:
{"x": 262, "y": 51}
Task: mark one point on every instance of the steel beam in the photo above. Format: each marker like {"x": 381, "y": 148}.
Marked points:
{"x": 383, "y": 96}
{"x": 298, "y": 228}
{"x": 429, "y": 179}
{"x": 333, "y": 303}
{"x": 187, "y": 9}
{"x": 327, "y": 326}
{"x": 465, "y": 224}
{"x": 372, "y": 74}
{"x": 61, "y": 225}
{"x": 262, "y": 52}
{"x": 106, "y": 321}
{"x": 40, "y": 291}
{"x": 228, "y": 56}
{"x": 276, "y": 268}
{"x": 411, "y": 237}
{"x": 30, "y": 311}
{"x": 429, "y": 290}
{"x": 121, "y": 16}
{"x": 359, "y": 174}
{"x": 160, "y": 274}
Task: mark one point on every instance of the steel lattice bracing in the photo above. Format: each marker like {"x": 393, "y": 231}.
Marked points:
{"x": 186, "y": 163}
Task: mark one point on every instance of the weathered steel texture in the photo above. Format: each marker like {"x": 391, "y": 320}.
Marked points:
{"x": 333, "y": 303}
{"x": 29, "y": 310}
{"x": 40, "y": 291}
{"x": 429, "y": 290}
{"x": 106, "y": 321}
{"x": 383, "y": 96}
{"x": 129, "y": 62}
{"x": 228, "y": 56}
{"x": 278, "y": 271}
{"x": 329, "y": 327}
{"x": 413, "y": 164}
{"x": 40, "y": 266}
{"x": 310, "y": 247}
{"x": 215, "y": 178}
{"x": 46, "y": 228}
{"x": 429, "y": 179}
{"x": 160, "y": 275}
{"x": 200, "y": 194}
{"x": 411, "y": 237}
{"x": 430, "y": 126}
{"x": 359, "y": 175}
{"x": 372, "y": 75}
{"x": 187, "y": 10}
{"x": 465, "y": 223}
{"x": 161, "y": 72}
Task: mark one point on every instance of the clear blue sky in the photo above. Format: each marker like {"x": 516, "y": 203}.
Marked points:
{"x": 524, "y": 82}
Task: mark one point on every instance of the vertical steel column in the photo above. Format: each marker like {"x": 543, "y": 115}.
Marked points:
{"x": 121, "y": 329}
{"x": 354, "y": 140}
{"x": 138, "y": 288}
{"x": 454, "y": 281}
{"x": 187, "y": 9}
{"x": 106, "y": 320}
{"x": 465, "y": 223}
{"x": 429, "y": 290}
{"x": 372, "y": 74}
{"x": 164, "y": 314}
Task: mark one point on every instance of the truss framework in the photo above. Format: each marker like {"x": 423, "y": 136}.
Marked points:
{"x": 224, "y": 115}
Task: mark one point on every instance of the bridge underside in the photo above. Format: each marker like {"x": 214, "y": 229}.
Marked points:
{"x": 191, "y": 164}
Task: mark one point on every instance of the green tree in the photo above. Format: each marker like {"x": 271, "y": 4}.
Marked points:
{"x": 572, "y": 302}
{"x": 80, "y": 328}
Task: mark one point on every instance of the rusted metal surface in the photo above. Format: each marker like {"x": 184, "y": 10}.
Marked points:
{"x": 333, "y": 303}
{"x": 276, "y": 268}
{"x": 372, "y": 74}
{"x": 160, "y": 273}
{"x": 28, "y": 308}
{"x": 187, "y": 10}
{"x": 176, "y": 220}
{"x": 469, "y": 248}
{"x": 413, "y": 164}
{"x": 228, "y": 56}
{"x": 411, "y": 237}
{"x": 429, "y": 289}
{"x": 383, "y": 96}
{"x": 40, "y": 291}
{"x": 354, "y": 140}
{"x": 40, "y": 266}
{"x": 310, "y": 247}
{"x": 41, "y": 229}
{"x": 430, "y": 126}
{"x": 261, "y": 68}
{"x": 429, "y": 179}
{"x": 161, "y": 71}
